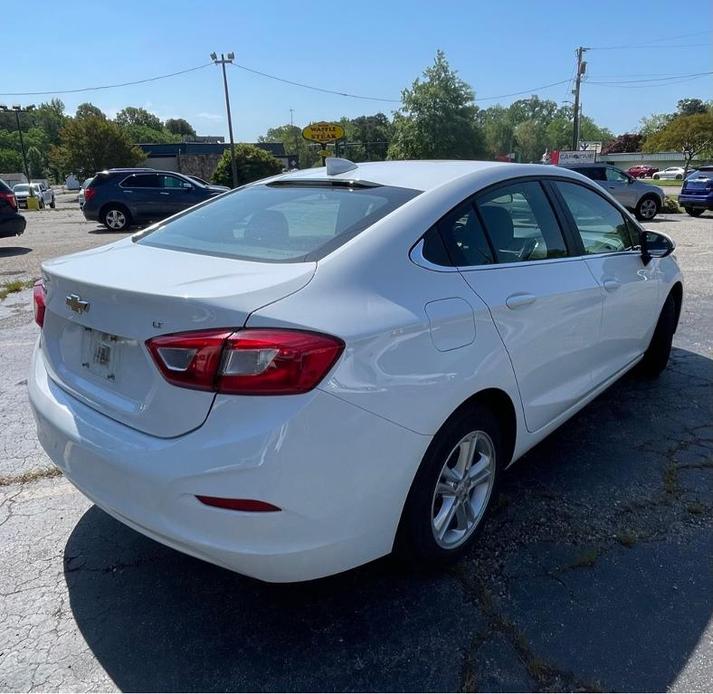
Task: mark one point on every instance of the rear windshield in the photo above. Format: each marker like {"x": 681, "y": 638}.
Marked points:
{"x": 278, "y": 222}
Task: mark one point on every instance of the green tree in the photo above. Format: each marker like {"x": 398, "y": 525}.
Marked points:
{"x": 690, "y": 135}
{"x": 498, "y": 130}
{"x": 180, "y": 126}
{"x": 10, "y": 161}
{"x": 366, "y": 138}
{"x": 131, "y": 115}
{"x": 86, "y": 109}
{"x": 291, "y": 137}
{"x": 252, "y": 163}
{"x": 437, "y": 118}
{"x": 689, "y": 107}
{"x": 531, "y": 140}
{"x": 36, "y": 162}
{"x": 144, "y": 134}
{"x": 92, "y": 143}
{"x": 626, "y": 142}
{"x": 50, "y": 118}
{"x": 653, "y": 123}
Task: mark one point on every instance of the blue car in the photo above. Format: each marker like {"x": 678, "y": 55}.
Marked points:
{"x": 697, "y": 192}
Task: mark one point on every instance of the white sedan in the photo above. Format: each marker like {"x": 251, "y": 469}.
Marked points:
{"x": 672, "y": 173}
{"x": 317, "y": 369}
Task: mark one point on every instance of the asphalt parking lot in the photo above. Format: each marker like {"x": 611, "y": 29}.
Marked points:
{"x": 594, "y": 573}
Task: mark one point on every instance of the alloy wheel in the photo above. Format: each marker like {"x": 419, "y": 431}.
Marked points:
{"x": 463, "y": 490}
{"x": 115, "y": 219}
{"x": 648, "y": 208}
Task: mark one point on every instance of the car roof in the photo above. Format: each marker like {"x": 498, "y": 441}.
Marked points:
{"x": 420, "y": 175}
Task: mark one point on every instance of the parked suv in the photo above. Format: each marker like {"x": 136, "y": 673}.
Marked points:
{"x": 643, "y": 199}
{"x": 11, "y": 223}
{"x": 119, "y": 198}
{"x": 697, "y": 192}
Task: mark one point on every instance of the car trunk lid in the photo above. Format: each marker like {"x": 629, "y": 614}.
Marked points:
{"x": 103, "y": 304}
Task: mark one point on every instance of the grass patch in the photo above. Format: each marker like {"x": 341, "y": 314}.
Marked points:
{"x": 31, "y": 476}
{"x": 662, "y": 183}
{"x": 670, "y": 205}
{"x": 628, "y": 538}
{"x": 14, "y": 286}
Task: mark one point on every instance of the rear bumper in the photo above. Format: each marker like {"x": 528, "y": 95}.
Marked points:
{"x": 339, "y": 474}
{"x": 12, "y": 225}
{"x": 696, "y": 201}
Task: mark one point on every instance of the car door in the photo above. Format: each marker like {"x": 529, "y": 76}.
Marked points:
{"x": 140, "y": 194}
{"x": 620, "y": 186}
{"x": 631, "y": 289}
{"x": 176, "y": 194}
{"x": 545, "y": 304}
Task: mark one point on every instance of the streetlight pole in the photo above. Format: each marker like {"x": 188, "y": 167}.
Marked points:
{"x": 18, "y": 110}
{"x": 222, "y": 61}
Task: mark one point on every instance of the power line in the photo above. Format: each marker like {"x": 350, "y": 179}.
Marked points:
{"x": 657, "y": 79}
{"x": 650, "y": 45}
{"x": 314, "y": 88}
{"x": 526, "y": 91}
{"x": 661, "y": 41}
{"x": 107, "y": 86}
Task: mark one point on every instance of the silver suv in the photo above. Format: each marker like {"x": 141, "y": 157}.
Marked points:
{"x": 643, "y": 199}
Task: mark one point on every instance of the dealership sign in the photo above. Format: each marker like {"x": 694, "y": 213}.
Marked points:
{"x": 566, "y": 156}
{"x": 323, "y": 132}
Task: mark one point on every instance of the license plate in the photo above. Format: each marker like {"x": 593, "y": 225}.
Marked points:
{"x": 101, "y": 354}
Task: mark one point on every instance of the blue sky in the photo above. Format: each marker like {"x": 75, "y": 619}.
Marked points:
{"x": 365, "y": 47}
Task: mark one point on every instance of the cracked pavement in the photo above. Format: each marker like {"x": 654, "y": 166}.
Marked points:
{"x": 595, "y": 572}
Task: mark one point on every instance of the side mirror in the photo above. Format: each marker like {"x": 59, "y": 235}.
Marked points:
{"x": 655, "y": 245}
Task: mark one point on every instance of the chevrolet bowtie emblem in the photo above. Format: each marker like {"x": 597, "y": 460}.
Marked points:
{"x": 76, "y": 304}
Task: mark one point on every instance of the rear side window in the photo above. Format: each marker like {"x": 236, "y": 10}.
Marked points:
{"x": 520, "y": 223}
{"x": 602, "y": 227}
{"x": 141, "y": 181}
{"x": 596, "y": 173}
{"x": 279, "y": 222}
{"x": 464, "y": 238}
{"x": 616, "y": 176}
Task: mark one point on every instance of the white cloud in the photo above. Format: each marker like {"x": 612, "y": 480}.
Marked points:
{"x": 209, "y": 116}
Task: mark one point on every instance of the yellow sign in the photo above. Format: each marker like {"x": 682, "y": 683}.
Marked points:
{"x": 325, "y": 153}
{"x": 323, "y": 132}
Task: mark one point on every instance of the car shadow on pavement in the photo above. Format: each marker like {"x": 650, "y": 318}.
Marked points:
{"x": 10, "y": 251}
{"x": 593, "y": 572}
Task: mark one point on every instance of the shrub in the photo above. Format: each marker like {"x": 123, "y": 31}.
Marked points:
{"x": 252, "y": 163}
{"x": 670, "y": 205}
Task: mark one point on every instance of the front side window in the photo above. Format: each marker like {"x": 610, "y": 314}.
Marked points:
{"x": 616, "y": 176}
{"x": 520, "y": 223}
{"x": 172, "y": 182}
{"x": 278, "y": 222}
{"x": 602, "y": 227}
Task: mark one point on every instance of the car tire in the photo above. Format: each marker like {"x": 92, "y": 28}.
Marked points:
{"x": 439, "y": 528}
{"x": 679, "y": 177}
{"x": 41, "y": 204}
{"x": 656, "y": 177}
{"x": 694, "y": 211}
{"x": 116, "y": 218}
{"x": 659, "y": 349}
{"x": 53, "y": 204}
{"x": 647, "y": 208}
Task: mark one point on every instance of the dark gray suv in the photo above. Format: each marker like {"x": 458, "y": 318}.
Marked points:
{"x": 643, "y": 199}
{"x": 119, "y": 198}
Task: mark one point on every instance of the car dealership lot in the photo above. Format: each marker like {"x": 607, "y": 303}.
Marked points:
{"x": 594, "y": 572}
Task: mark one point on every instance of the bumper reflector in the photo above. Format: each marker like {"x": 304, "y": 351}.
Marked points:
{"x": 249, "y": 505}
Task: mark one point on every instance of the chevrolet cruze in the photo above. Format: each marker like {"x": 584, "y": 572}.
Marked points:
{"x": 320, "y": 368}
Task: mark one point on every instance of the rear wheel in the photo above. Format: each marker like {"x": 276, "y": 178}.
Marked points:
{"x": 116, "y": 218}
{"x": 695, "y": 211}
{"x": 453, "y": 488}
{"x": 53, "y": 204}
{"x": 659, "y": 350}
{"x": 647, "y": 208}
{"x": 656, "y": 177}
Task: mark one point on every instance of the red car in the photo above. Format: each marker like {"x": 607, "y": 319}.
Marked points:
{"x": 642, "y": 171}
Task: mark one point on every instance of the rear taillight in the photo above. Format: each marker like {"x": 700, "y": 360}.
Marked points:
{"x": 9, "y": 198}
{"x": 39, "y": 300}
{"x": 89, "y": 193}
{"x": 257, "y": 361}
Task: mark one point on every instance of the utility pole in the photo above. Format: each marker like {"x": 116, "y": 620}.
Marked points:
{"x": 18, "y": 110}
{"x": 222, "y": 61}
{"x": 292, "y": 111}
{"x": 581, "y": 69}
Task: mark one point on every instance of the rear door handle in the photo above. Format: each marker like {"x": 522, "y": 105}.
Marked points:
{"x": 611, "y": 285}
{"x": 163, "y": 193}
{"x": 520, "y": 299}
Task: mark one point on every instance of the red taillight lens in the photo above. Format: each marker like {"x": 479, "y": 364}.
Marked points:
{"x": 39, "y": 300}
{"x": 259, "y": 361}
{"x": 89, "y": 193}
{"x": 9, "y": 198}
{"x": 249, "y": 505}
